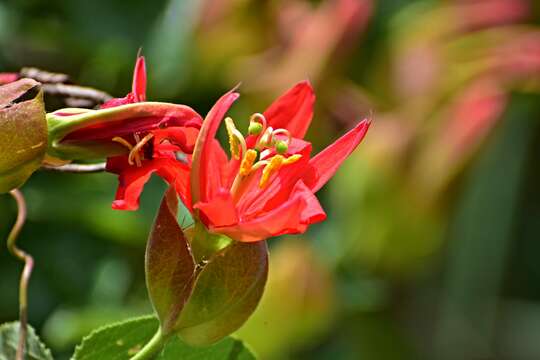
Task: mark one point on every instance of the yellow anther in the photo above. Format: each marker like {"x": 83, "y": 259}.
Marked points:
{"x": 273, "y": 166}
{"x": 247, "y": 162}
{"x": 233, "y": 141}
{"x": 236, "y": 139}
{"x": 292, "y": 159}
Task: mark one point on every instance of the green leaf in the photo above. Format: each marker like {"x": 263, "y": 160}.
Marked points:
{"x": 170, "y": 268}
{"x": 9, "y": 339}
{"x": 117, "y": 341}
{"x": 123, "y": 340}
{"x": 23, "y": 132}
{"x": 226, "y": 293}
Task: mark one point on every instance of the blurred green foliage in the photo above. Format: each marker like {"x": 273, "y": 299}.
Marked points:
{"x": 431, "y": 246}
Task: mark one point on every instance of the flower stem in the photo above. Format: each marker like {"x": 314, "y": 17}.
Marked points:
{"x": 27, "y": 271}
{"x": 152, "y": 348}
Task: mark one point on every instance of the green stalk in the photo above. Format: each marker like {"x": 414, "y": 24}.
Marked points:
{"x": 152, "y": 348}
{"x": 27, "y": 271}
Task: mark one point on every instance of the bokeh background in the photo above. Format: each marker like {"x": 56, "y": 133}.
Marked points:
{"x": 431, "y": 249}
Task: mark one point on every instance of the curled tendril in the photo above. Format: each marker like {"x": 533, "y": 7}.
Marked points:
{"x": 27, "y": 271}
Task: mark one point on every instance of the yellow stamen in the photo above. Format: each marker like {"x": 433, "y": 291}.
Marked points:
{"x": 233, "y": 142}
{"x": 122, "y": 141}
{"x": 292, "y": 159}
{"x": 134, "y": 153}
{"x": 273, "y": 166}
{"x": 236, "y": 139}
{"x": 247, "y": 162}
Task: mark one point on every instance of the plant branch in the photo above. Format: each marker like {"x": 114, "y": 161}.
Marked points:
{"x": 77, "y": 168}
{"x": 27, "y": 271}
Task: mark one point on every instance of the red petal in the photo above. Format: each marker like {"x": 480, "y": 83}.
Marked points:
{"x": 205, "y": 168}
{"x": 131, "y": 179}
{"x": 325, "y": 164}
{"x": 292, "y": 217}
{"x": 220, "y": 211}
{"x": 128, "y": 99}
{"x": 183, "y": 137}
{"x": 279, "y": 189}
{"x": 176, "y": 173}
{"x": 138, "y": 88}
{"x": 293, "y": 110}
{"x": 6, "y": 78}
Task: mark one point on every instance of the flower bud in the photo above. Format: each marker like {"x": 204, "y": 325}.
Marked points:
{"x": 23, "y": 132}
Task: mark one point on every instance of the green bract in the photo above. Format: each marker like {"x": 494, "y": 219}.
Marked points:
{"x": 203, "y": 286}
{"x": 23, "y": 132}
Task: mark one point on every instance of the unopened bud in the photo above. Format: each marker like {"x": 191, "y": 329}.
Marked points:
{"x": 23, "y": 132}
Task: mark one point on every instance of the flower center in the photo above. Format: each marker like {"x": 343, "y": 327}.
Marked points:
{"x": 136, "y": 155}
{"x": 267, "y": 141}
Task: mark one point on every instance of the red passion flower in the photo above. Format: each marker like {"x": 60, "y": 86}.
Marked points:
{"x": 267, "y": 187}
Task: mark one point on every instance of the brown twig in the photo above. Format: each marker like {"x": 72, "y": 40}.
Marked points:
{"x": 44, "y": 76}
{"x": 77, "y": 168}
{"x": 27, "y": 271}
{"x": 77, "y": 92}
{"x": 60, "y": 85}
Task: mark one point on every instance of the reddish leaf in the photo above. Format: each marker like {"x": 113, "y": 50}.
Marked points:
{"x": 170, "y": 268}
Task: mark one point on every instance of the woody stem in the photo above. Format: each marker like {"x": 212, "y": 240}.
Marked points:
{"x": 27, "y": 271}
